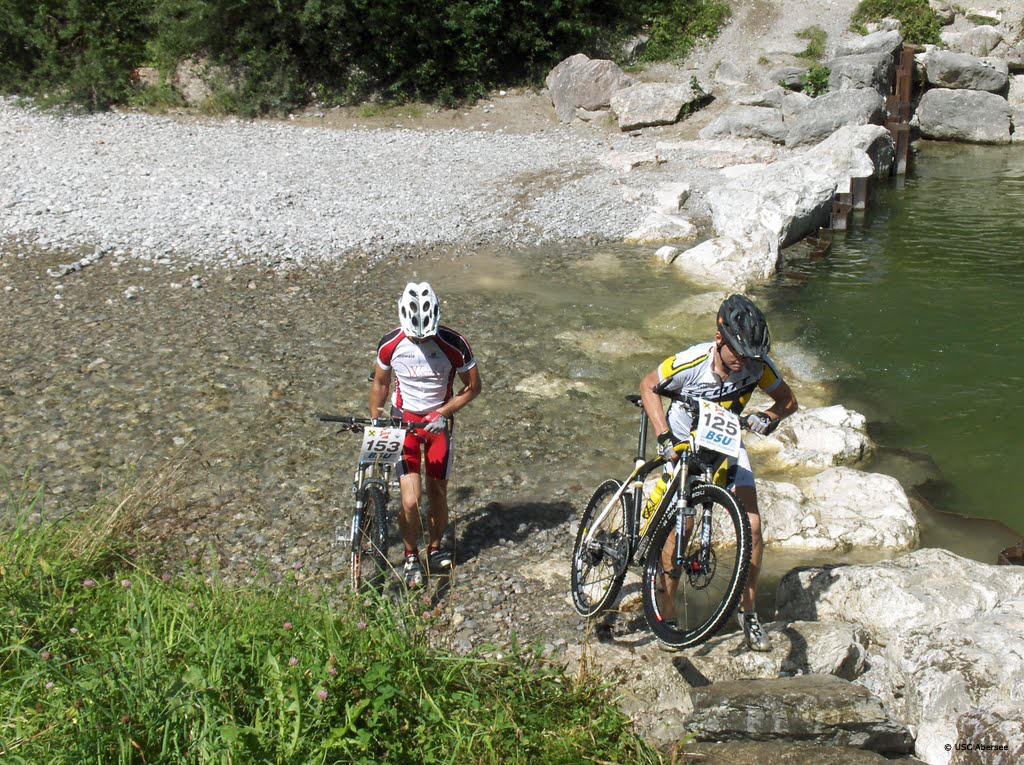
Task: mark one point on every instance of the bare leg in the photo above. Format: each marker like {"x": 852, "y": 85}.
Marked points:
{"x": 409, "y": 518}
{"x": 747, "y": 495}
{"x": 437, "y": 519}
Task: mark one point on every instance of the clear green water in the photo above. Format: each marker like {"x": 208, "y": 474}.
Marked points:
{"x": 922, "y": 305}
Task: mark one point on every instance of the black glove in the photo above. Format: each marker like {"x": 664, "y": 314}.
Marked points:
{"x": 667, "y": 446}
{"x": 761, "y": 423}
{"x": 383, "y": 422}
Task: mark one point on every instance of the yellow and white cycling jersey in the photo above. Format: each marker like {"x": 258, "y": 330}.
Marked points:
{"x": 690, "y": 372}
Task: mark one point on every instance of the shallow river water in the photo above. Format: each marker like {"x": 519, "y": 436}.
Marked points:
{"x": 228, "y": 376}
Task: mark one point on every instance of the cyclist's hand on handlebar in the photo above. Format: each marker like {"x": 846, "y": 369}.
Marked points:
{"x": 761, "y": 423}
{"x": 667, "y": 446}
{"x": 436, "y": 423}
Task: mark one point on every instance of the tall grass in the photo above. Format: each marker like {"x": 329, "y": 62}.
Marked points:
{"x": 106, "y": 660}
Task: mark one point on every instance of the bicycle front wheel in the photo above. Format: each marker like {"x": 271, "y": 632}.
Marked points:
{"x": 688, "y": 597}
{"x": 599, "y": 556}
{"x": 370, "y": 542}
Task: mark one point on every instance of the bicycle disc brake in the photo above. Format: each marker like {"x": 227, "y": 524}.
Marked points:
{"x": 700, "y": 575}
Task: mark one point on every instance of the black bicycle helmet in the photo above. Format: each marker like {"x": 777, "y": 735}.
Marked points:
{"x": 744, "y": 327}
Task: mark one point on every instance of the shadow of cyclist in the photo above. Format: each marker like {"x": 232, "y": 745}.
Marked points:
{"x": 487, "y": 525}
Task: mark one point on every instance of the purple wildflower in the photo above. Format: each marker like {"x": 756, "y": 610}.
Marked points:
{"x": 288, "y": 627}
{"x": 332, "y": 671}
{"x": 321, "y": 694}
{"x": 297, "y": 565}
{"x": 126, "y": 583}
{"x": 49, "y": 686}
{"x": 360, "y": 625}
{"x": 293, "y": 662}
{"x": 89, "y": 583}
{"x": 74, "y": 630}
{"x": 45, "y": 655}
{"x": 166, "y": 577}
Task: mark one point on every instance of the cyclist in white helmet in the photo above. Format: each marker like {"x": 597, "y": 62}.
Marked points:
{"x": 425, "y": 358}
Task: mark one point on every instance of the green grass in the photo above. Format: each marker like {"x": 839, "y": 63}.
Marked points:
{"x": 107, "y": 660}
{"x": 816, "y": 38}
{"x": 920, "y": 25}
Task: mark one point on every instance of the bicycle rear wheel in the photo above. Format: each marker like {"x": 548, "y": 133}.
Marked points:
{"x": 370, "y": 542}
{"x": 686, "y": 601}
{"x": 599, "y": 556}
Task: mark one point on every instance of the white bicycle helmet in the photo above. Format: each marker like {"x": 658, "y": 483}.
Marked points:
{"x": 419, "y": 312}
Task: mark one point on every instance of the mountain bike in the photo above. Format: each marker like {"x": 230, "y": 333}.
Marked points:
{"x": 692, "y": 544}
{"x": 374, "y": 480}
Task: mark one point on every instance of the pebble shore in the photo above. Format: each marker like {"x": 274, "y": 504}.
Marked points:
{"x": 233, "y": 191}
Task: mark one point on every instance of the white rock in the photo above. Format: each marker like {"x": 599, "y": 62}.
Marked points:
{"x": 821, "y": 437}
{"x": 951, "y": 630}
{"x": 671, "y": 197}
{"x": 659, "y": 227}
{"x": 731, "y": 261}
{"x": 667, "y": 253}
{"x": 624, "y": 161}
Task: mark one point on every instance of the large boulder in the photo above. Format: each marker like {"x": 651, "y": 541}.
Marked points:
{"x": 819, "y": 438}
{"x": 580, "y": 82}
{"x": 735, "y": 262}
{"x": 819, "y": 709}
{"x": 844, "y": 147}
{"x": 1015, "y": 97}
{"x": 761, "y": 123}
{"x": 946, "y": 69}
{"x": 861, "y": 510}
{"x": 798, "y": 648}
{"x": 864, "y": 70}
{"x": 837, "y": 510}
{"x": 885, "y": 41}
{"x": 828, "y": 113}
{"x": 977, "y": 41}
{"x": 787, "y": 101}
{"x": 647, "y": 104}
{"x": 964, "y": 115}
{"x": 758, "y": 122}
{"x": 949, "y": 627}
{"x": 762, "y": 207}
{"x": 780, "y": 753}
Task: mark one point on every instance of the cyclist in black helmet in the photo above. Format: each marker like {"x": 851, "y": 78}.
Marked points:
{"x": 725, "y": 371}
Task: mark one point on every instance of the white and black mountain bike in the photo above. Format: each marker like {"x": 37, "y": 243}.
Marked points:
{"x": 692, "y": 545}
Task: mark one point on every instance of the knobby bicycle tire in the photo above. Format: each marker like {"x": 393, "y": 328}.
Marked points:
{"x": 370, "y": 542}
{"x": 599, "y": 568}
{"x": 707, "y": 592}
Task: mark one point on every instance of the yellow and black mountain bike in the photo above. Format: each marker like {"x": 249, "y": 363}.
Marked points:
{"x": 692, "y": 543}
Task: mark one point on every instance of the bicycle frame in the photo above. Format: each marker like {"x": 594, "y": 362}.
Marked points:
{"x": 639, "y": 537}
{"x": 375, "y": 473}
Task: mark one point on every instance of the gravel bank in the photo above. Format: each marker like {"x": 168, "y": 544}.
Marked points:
{"x": 235, "y": 191}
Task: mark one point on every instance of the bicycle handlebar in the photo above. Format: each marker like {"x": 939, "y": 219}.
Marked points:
{"x": 357, "y": 423}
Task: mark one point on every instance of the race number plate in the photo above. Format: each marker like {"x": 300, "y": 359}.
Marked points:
{"x": 718, "y": 429}
{"x": 382, "y": 445}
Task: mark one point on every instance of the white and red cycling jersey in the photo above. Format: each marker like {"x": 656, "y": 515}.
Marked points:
{"x": 424, "y": 372}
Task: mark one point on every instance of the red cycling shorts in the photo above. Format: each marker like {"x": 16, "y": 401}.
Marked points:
{"x": 439, "y": 448}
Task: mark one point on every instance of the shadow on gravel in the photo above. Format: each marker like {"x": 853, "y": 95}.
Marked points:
{"x": 513, "y": 522}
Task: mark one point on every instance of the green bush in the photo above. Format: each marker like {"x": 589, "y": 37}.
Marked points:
{"x": 108, "y": 662}
{"x": 816, "y": 80}
{"x": 919, "y": 23}
{"x": 282, "y": 54}
{"x": 76, "y": 51}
